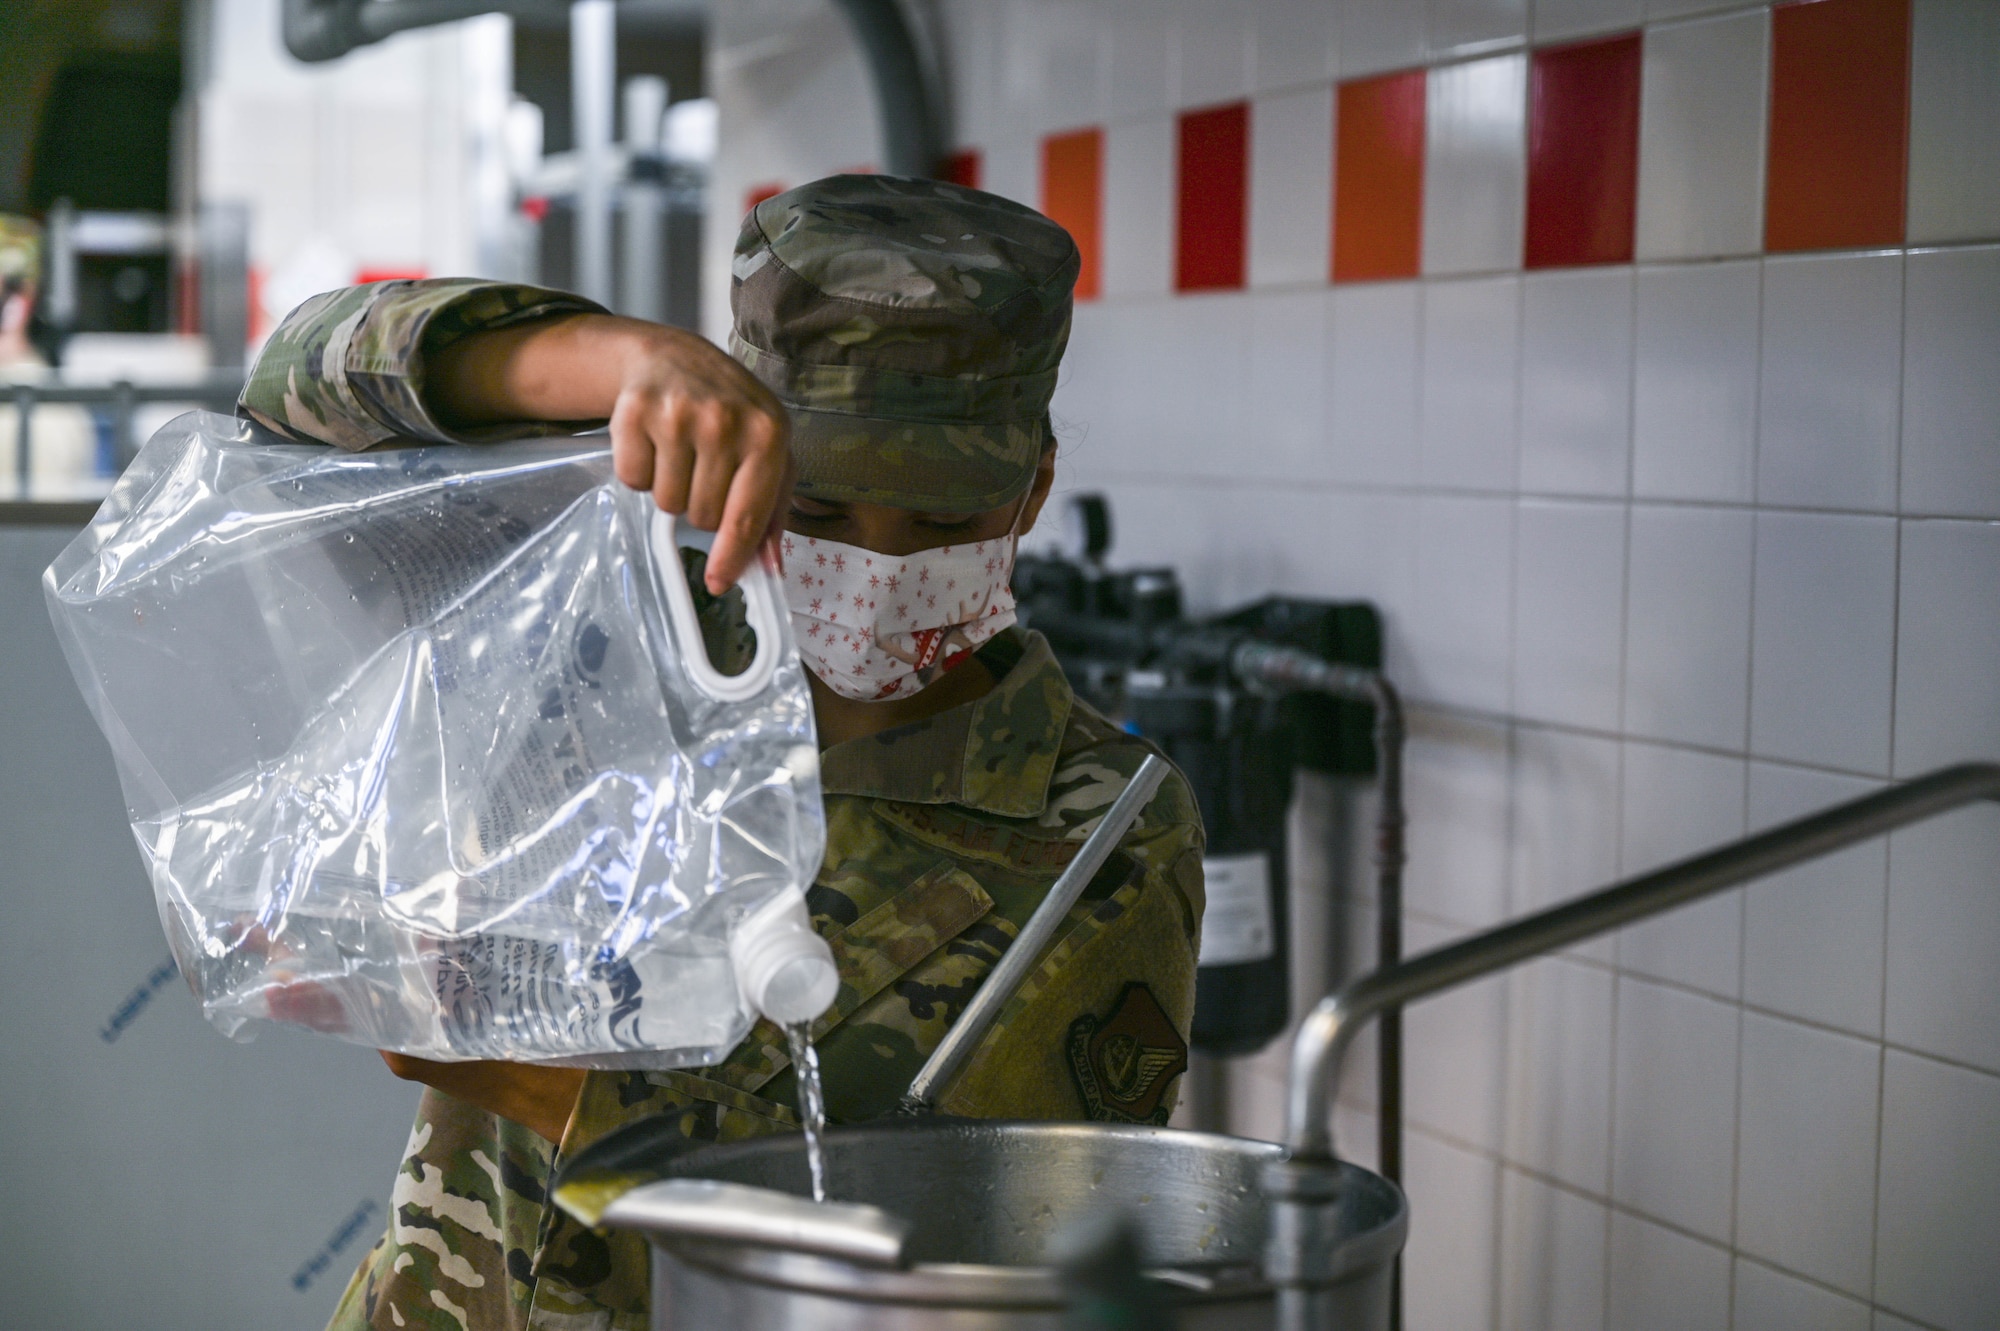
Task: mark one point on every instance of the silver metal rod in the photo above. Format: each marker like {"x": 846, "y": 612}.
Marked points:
{"x": 960, "y": 1042}
{"x": 642, "y": 291}
{"x": 593, "y": 71}
{"x": 1323, "y": 1038}
{"x": 762, "y": 1218}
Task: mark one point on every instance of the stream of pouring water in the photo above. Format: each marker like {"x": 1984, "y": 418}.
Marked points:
{"x": 812, "y": 1102}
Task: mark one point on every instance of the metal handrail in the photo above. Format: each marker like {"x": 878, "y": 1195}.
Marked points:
{"x": 1324, "y": 1036}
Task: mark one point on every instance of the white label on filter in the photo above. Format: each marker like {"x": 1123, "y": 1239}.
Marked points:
{"x": 1236, "y": 927}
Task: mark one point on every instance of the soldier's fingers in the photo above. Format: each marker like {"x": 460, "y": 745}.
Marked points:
{"x": 673, "y": 457}
{"x": 715, "y": 467}
{"x": 753, "y": 512}
{"x": 631, "y": 448}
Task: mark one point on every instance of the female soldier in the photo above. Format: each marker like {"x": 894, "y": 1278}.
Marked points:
{"x": 911, "y": 330}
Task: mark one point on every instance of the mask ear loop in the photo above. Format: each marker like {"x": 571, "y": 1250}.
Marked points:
{"x": 760, "y": 603}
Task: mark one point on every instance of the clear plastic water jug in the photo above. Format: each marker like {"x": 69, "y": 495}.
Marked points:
{"x": 423, "y": 749}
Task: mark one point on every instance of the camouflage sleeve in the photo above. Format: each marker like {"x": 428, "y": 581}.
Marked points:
{"x": 347, "y": 367}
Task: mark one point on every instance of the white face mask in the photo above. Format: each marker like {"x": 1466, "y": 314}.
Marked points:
{"x": 876, "y": 627}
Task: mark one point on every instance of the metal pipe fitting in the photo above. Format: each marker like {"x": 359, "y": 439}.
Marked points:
{"x": 913, "y": 137}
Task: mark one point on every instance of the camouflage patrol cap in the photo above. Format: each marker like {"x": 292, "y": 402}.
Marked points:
{"x": 914, "y": 328}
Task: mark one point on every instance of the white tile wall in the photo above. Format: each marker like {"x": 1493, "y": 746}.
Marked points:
{"x": 1565, "y": 828}
{"x": 1701, "y": 142}
{"x": 1954, "y": 112}
{"x": 1372, "y": 388}
{"x": 1459, "y": 628}
{"x": 1293, "y": 42}
{"x": 1768, "y": 1300}
{"x": 1830, "y": 383}
{"x": 1138, "y": 217}
{"x": 1459, "y": 808}
{"x": 1376, "y": 35}
{"x": 1457, "y": 26}
{"x": 1673, "y": 1118}
{"x": 1942, "y": 968}
{"x": 1694, "y": 410}
{"x": 1806, "y": 1147}
{"x": 1576, "y": 382}
{"x": 1291, "y": 188}
{"x": 1661, "y": 1280}
{"x": 1143, "y": 66}
{"x": 1687, "y": 628}
{"x": 1287, "y": 359}
{"x": 1951, "y": 391}
{"x": 1558, "y": 19}
{"x": 1475, "y": 147}
{"x": 1471, "y": 375}
{"x": 1559, "y": 1038}
{"x": 1938, "y": 1224}
{"x": 1947, "y": 697}
{"x": 1822, "y": 639}
{"x": 1569, "y": 589}
{"x": 1665, "y": 550}
{"x": 1552, "y": 1250}
{"x": 1449, "y": 1263}
{"x": 1214, "y": 51}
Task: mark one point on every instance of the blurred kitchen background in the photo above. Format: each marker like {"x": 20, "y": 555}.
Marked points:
{"x": 1639, "y": 359}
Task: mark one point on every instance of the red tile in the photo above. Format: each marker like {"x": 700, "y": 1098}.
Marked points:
{"x": 367, "y": 275}
{"x": 1840, "y": 116}
{"x": 1073, "y": 194}
{"x": 1212, "y": 230}
{"x": 1378, "y": 177}
{"x": 962, "y": 168}
{"x": 1583, "y": 153}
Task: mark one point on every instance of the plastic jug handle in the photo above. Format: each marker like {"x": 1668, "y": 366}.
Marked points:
{"x": 760, "y": 596}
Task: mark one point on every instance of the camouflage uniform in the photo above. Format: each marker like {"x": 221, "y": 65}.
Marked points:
{"x": 942, "y": 836}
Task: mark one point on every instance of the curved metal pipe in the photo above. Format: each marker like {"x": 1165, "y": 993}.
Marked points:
{"x": 912, "y": 130}
{"x": 1323, "y": 1038}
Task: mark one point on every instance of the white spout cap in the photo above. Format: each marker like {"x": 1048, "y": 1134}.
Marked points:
{"x": 784, "y": 970}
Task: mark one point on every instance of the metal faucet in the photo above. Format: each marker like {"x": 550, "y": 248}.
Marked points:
{"x": 1301, "y": 1258}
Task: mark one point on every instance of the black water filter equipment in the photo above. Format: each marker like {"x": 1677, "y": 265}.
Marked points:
{"x": 1131, "y": 651}
{"x": 1229, "y": 745}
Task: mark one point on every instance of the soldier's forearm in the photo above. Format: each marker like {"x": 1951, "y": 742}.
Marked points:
{"x": 569, "y": 367}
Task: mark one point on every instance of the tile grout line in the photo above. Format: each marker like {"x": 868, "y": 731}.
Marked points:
{"x": 1742, "y": 894}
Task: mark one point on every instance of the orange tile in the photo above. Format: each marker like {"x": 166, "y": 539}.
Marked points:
{"x": 1073, "y": 195}
{"x": 1378, "y": 177}
{"x": 1840, "y": 114}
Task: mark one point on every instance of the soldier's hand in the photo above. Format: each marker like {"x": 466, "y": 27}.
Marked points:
{"x": 687, "y": 422}
{"x": 695, "y": 428}
{"x": 539, "y": 1098}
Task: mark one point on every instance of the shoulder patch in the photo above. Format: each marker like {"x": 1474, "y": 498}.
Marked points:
{"x": 1124, "y": 1063}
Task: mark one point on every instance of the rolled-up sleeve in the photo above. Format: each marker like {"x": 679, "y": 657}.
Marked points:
{"x": 348, "y": 367}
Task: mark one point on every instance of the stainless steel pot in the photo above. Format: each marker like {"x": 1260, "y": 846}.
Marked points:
{"x": 970, "y": 1215}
